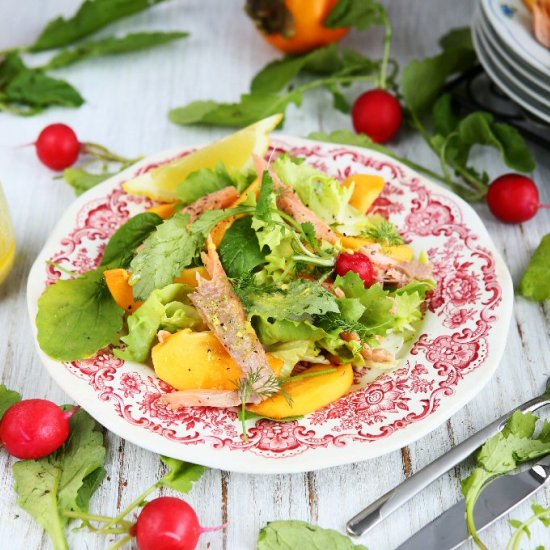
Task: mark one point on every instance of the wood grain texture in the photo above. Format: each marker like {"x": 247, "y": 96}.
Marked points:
{"x": 127, "y": 99}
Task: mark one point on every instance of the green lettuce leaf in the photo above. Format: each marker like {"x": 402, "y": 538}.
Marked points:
{"x": 78, "y": 317}
{"x": 275, "y": 332}
{"x": 292, "y": 534}
{"x": 326, "y": 196}
{"x": 293, "y": 352}
{"x": 169, "y": 309}
{"x": 63, "y": 481}
{"x": 535, "y": 284}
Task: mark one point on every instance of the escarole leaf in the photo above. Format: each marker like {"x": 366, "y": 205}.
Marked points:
{"x": 77, "y": 317}
{"x": 284, "y": 535}
{"x": 7, "y": 399}
{"x": 168, "y": 308}
{"x": 92, "y": 16}
{"x": 128, "y": 237}
{"x": 112, "y": 45}
{"x": 63, "y": 481}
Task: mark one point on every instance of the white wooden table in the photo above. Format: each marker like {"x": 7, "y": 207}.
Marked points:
{"x": 127, "y": 99}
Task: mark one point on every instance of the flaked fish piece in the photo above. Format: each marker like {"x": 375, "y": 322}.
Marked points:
{"x": 201, "y": 398}
{"x": 391, "y": 271}
{"x": 222, "y": 198}
{"x": 224, "y": 314}
{"x": 289, "y": 201}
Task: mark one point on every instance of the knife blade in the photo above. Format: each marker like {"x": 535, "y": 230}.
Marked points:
{"x": 449, "y": 530}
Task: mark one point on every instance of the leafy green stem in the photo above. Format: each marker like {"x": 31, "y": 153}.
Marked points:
{"x": 541, "y": 514}
{"x": 305, "y": 375}
{"x": 121, "y": 543}
{"x": 102, "y": 153}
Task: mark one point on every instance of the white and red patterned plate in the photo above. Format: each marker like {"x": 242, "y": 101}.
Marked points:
{"x": 461, "y": 342}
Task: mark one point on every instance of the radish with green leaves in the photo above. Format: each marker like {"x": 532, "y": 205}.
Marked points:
{"x": 35, "y": 428}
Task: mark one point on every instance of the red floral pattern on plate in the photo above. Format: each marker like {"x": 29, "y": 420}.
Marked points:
{"x": 462, "y": 313}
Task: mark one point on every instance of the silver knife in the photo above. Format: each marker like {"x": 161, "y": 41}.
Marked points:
{"x": 448, "y": 531}
{"x": 381, "y": 508}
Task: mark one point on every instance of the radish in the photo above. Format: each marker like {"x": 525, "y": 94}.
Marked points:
{"x": 514, "y": 198}
{"x": 378, "y": 114}
{"x": 358, "y": 263}
{"x": 168, "y": 523}
{"x": 57, "y": 146}
{"x": 35, "y": 428}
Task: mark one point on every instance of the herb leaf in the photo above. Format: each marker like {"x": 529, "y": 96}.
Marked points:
{"x": 182, "y": 475}
{"x": 360, "y": 14}
{"x": 239, "y": 250}
{"x": 77, "y": 317}
{"x": 81, "y": 180}
{"x": 112, "y": 45}
{"x": 7, "y": 399}
{"x": 92, "y": 16}
{"x": 61, "y": 482}
{"x": 128, "y": 237}
{"x": 535, "y": 284}
{"x": 501, "y": 454}
{"x": 283, "y": 535}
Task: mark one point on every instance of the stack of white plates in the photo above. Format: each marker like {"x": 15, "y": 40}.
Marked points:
{"x": 510, "y": 54}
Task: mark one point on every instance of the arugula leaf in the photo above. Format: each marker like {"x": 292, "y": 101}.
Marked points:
{"x": 92, "y": 16}
{"x": 182, "y": 475}
{"x": 360, "y": 14}
{"x": 250, "y": 108}
{"x": 284, "y": 535}
{"x": 81, "y": 180}
{"x": 535, "y": 283}
{"x": 61, "y": 482}
{"x": 422, "y": 80}
{"x": 77, "y": 317}
{"x": 239, "y": 250}
{"x": 163, "y": 255}
{"x": 112, "y": 45}
{"x": 7, "y": 399}
{"x": 32, "y": 88}
{"x": 501, "y": 454}
{"x": 128, "y": 237}
{"x": 168, "y": 308}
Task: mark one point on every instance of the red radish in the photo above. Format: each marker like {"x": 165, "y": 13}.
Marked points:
{"x": 168, "y": 523}
{"x": 514, "y": 198}
{"x": 57, "y": 146}
{"x": 378, "y": 114}
{"x": 358, "y": 263}
{"x": 34, "y": 428}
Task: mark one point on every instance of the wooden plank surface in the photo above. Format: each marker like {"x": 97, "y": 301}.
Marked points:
{"x": 127, "y": 99}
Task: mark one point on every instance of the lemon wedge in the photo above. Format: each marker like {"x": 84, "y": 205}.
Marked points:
{"x": 235, "y": 151}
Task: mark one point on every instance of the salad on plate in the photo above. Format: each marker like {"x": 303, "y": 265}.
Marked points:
{"x": 265, "y": 287}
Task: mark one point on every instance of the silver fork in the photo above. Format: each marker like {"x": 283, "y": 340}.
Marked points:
{"x": 380, "y": 509}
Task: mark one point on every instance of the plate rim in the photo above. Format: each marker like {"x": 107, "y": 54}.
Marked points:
{"x": 496, "y": 20}
{"x": 502, "y": 81}
{"x": 250, "y": 463}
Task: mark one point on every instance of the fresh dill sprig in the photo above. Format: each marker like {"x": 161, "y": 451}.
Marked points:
{"x": 384, "y": 232}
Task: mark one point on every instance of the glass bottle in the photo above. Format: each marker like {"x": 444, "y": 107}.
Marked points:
{"x": 7, "y": 238}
